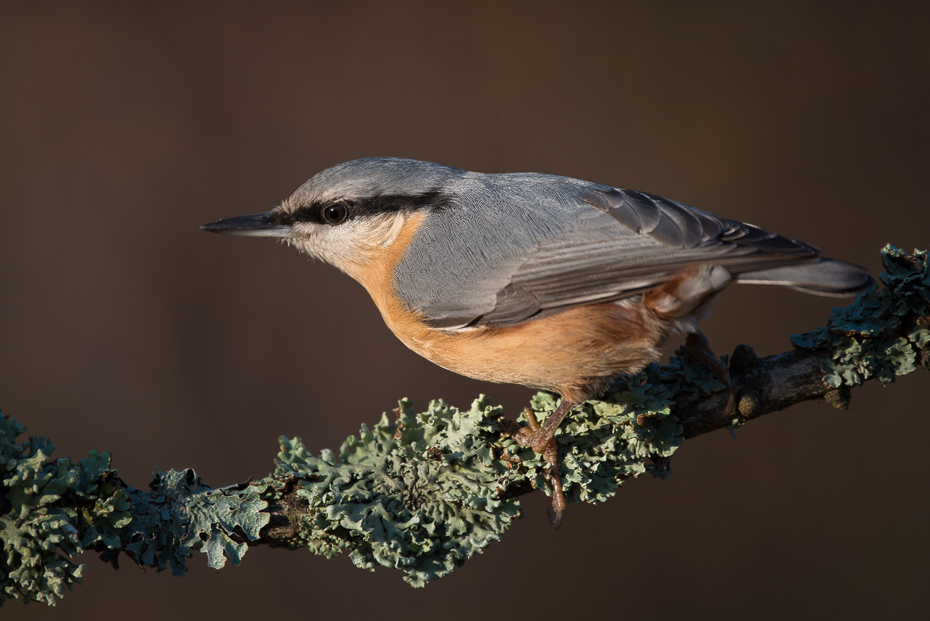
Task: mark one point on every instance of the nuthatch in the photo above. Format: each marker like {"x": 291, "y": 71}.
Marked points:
{"x": 548, "y": 282}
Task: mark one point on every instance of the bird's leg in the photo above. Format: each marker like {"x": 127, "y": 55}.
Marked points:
{"x": 542, "y": 440}
{"x": 699, "y": 349}
{"x": 551, "y": 453}
{"x": 538, "y": 437}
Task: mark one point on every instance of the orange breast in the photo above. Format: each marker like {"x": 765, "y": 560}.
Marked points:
{"x": 571, "y": 352}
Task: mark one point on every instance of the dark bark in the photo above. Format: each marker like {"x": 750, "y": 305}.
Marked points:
{"x": 762, "y": 386}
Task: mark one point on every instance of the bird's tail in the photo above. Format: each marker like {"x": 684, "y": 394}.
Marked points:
{"x": 825, "y": 277}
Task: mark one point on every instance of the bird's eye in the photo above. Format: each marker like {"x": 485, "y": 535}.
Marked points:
{"x": 335, "y": 213}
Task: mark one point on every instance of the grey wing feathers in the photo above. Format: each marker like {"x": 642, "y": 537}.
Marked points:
{"x": 760, "y": 256}
{"x": 826, "y": 277}
{"x": 628, "y": 243}
{"x": 600, "y": 262}
{"x": 678, "y": 225}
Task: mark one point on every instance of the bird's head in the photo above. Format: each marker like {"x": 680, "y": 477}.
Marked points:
{"x": 350, "y": 214}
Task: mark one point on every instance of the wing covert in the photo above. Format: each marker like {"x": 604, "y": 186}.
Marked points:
{"x": 567, "y": 243}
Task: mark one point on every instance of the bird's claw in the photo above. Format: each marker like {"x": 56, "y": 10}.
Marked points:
{"x": 537, "y": 438}
{"x": 699, "y": 349}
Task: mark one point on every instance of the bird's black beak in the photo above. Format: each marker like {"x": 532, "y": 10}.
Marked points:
{"x": 256, "y": 225}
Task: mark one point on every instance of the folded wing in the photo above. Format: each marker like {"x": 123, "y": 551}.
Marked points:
{"x": 612, "y": 244}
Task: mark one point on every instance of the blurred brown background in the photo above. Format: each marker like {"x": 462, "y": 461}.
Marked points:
{"x": 124, "y": 126}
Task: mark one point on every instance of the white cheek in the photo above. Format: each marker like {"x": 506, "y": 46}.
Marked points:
{"x": 353, "y": 242}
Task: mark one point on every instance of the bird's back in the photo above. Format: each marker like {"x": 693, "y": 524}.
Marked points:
{"x": 501, "y": 249}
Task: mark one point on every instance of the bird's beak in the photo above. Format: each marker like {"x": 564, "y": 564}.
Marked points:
{"x": 256, "y": 225}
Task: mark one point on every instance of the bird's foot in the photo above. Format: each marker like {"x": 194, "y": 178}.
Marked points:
{"x": 699, "y": 349}
{"x": 542, "y": 440}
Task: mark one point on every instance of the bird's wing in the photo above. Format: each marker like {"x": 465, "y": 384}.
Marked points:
{"x": 617, "y": 243}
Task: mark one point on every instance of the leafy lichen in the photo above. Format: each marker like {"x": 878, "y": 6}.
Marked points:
{"x": 180, "y": 515}
{"x": 423, "y": 492}
{"x": 882, "y": 333}
{"x": 50, "y": 511}
{"x": 629, "y": 431}
{"x": 431, "y": 489}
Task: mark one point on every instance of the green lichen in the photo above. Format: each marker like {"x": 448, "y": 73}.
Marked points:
{"x": 428, "y": 491}
{"x": 629, "y": 431}
{"x": 882, "y": 334}
{"x": 422, "y": 494}
{"x": 180, "y": 515}
{"x": 50, "y": 511}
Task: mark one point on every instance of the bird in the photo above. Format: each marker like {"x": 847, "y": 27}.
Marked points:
{"x": 545, "y": 281}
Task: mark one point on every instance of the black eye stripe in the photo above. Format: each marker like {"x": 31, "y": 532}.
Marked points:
{"x": 381, "y": 203}
{"x": 309, "y": 213}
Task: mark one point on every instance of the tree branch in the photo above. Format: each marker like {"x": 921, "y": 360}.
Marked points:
{"x": 763, "y": 386}
{"x": 427, "y": 490}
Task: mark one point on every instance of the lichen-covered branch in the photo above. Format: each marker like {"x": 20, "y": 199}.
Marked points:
{"x": 425, "y": 491}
